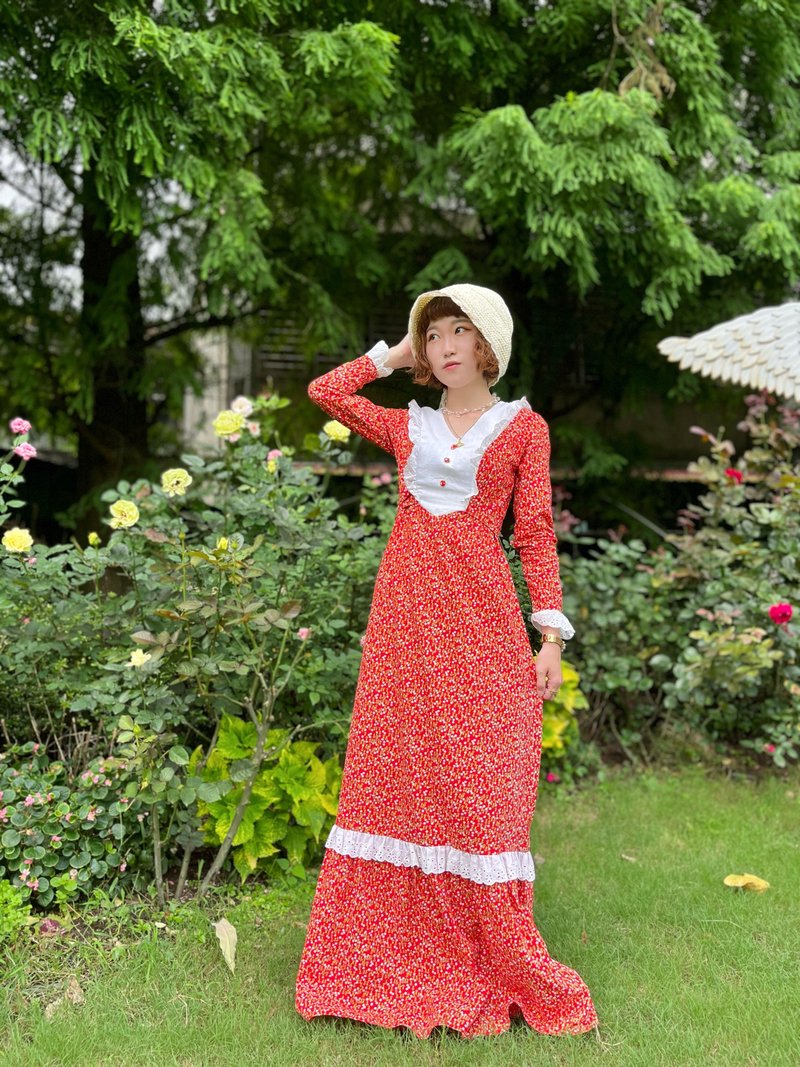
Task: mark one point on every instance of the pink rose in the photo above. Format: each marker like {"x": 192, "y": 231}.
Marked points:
{"x": 3, "y": 814}
{"x": 552, "y": 777}
{"x": 19, "y": 426}
{"x": 254, "y": 428}
{"x": 734, "y": 475}
{"x": 233, "y": 437}
{"x": 386, "y": 478}
{"x": 769, "y": 748}
{"x": 55, "y": 837}
{"x": 29, "y": 800}
{"x": 303, "y": 633}
{"x": 781, "y": 613}
{"x": 25, "y": 451}
{"x": 123, "y": 866}
{"x": 274, "y": 453}
{"x": 33, "y": 884}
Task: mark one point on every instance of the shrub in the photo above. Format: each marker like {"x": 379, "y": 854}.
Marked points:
{"x": 235, "y": 587}
{"x": 693, "y": 633}
{"x": 59, "y": 839}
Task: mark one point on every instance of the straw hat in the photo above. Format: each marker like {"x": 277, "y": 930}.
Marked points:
{"x": 485, "y": 308}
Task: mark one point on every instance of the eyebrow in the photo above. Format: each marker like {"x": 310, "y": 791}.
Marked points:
{"x": 455, "y": 318}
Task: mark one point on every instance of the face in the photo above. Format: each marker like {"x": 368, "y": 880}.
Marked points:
{"x": 450, "y": 348}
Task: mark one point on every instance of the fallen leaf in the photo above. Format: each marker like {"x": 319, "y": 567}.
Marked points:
{"x": 630, "y": 859}
{"x": 74, "y": 992}
{"x": 746, "y": 881}
{"x": 584, "y": 936}
{"x": 226, "y": 935}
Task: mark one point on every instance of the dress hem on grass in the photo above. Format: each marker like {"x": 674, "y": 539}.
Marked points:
{"x": 428, "y": 950}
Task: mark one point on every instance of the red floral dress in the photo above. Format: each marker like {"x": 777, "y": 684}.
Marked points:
{"x": 423, "y": 912}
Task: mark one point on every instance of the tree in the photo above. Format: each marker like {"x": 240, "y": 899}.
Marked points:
{"x": 130, "y": 131}
{"x": 619, "y": 170}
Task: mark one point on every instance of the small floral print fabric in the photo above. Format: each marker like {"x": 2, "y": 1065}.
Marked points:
{"x": 423, "y": 913}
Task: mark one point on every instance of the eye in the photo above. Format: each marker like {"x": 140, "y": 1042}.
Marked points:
{"x": 432, "y": 335}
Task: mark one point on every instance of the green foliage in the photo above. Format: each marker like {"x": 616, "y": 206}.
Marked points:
{"x": 14, "y": 911}
{"x": 607, "y": 167}
{"x": 684, "y": 634}
{"x": 243, "y": 593}
{"x": 293, "y": 801}
{"x": 61, "y": 835}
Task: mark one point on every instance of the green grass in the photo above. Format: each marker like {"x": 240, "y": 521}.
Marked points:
{"x": 683, "y": 970}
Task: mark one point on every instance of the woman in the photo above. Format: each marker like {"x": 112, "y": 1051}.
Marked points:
{"x": 423, "y": 911}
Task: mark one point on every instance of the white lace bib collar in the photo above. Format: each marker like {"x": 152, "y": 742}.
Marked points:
{"x": 443, "y": 479}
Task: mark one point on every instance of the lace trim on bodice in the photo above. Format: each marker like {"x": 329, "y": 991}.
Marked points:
{"x": 423, "y": 463}
{"x": 433, "y": 859}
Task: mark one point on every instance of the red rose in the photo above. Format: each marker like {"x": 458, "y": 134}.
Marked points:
{"x": 734, "y": 474}
{"x": 781, "y": 613}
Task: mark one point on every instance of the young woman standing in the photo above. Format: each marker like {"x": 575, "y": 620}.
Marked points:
{"x": 423, "y": 911}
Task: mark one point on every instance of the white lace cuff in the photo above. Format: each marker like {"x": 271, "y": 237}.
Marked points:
{"x": 553, "y": 618}
{"x": 379, "y": 353}
{"x": 485, "y": 868}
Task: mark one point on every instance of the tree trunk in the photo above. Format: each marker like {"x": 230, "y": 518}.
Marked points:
{"x": 112, "y": 429}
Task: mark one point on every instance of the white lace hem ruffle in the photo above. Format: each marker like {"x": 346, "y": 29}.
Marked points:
{"x": 549, "y": 617}
{"x": 485, "y": 868}
{"x": 379, "y": 353}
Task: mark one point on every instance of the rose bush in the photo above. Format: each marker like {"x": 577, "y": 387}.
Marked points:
{"x": 698, "y": 632}
{"x": 244, "y": 594}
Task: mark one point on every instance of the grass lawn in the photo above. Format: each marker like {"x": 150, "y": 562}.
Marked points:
{"x": 629, "y": 892}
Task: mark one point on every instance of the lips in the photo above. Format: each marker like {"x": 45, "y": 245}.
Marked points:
{"x": 452, "y": 363}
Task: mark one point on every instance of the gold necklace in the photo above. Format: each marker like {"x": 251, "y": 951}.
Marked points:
{"x": 467, "y": 411}
{"x": 471, "y": 411}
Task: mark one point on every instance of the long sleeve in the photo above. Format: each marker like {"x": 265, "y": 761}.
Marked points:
{"x": 335, "y": 392}
{"x": 534, "y": 537}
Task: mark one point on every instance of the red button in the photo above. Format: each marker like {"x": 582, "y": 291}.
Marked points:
{"x": 443, "y": 482}
{"x": 447, "y": 459}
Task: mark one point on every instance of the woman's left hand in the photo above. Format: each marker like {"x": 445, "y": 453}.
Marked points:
{"x": 548, "y": 670}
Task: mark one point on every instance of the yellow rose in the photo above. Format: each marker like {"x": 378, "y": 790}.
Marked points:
{"x": 222, "y": 544}
{"x": 139, "y": 658}
{"x": 175, "y": 481}
{"x": 228, "y": 422}
{"x": 336, "y": 431}
{"x": 17, "y": 540}
{"x": 272, "y": 466}
{"x": 125, "y": 514}
{"x": 93, "y": 539}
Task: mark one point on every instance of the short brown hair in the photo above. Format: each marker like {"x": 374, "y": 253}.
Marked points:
{"x": 438, "y": 308}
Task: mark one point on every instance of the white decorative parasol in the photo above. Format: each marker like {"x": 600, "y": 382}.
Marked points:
{"x": 760, "y": 350}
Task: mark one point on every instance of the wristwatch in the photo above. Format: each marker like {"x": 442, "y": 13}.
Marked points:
{"x": 555, "y": 639}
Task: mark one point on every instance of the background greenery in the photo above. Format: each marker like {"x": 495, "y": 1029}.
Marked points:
{"x": 615, "y": 169}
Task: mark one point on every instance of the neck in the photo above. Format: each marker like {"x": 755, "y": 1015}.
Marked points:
{"x": 473, "y": 395}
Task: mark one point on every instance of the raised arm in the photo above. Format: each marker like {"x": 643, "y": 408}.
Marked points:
{"x": 534, "y": 537}
{"x": 335, "y": 392}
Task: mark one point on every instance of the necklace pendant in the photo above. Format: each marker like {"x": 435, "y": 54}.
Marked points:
{"x": 458, "y": 444}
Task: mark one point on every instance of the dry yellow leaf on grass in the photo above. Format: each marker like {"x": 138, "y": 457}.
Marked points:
{"x": 226, "y": 935}
{"x": 747, "y": 881}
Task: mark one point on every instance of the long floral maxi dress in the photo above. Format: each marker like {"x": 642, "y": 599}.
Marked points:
{"x": 423, "y": 912}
